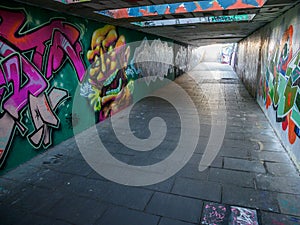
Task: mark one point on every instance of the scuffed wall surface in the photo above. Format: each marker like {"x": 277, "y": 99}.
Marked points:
{"x": 248, "y": 62}
{"x": 154, "y": 59}
{"x": 46, "y": 57}
{"x": 277, "y": 81}
{"x": 181, "y": 58}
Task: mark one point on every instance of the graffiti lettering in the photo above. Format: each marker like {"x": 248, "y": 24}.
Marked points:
{"x": 13, "y": 67}
{"x": 60, "y": 48}
{"x": 11, "y": 29}
{"x": 280, "y": 85}
{"x": 243, "y": 216}
{"x": 43, "y": 116}
{"x": 24, "y": 82}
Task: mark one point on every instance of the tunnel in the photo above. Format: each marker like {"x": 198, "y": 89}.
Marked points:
{"x": 144, "y": 112}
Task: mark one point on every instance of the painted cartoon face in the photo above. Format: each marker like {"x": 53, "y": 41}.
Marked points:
{"x": 109, "y": 58}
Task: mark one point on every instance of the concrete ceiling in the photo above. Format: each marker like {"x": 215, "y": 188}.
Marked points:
{"x": 196, "y": 34}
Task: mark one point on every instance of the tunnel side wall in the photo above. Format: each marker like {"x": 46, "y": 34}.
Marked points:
{"x": 268, "y": 63}
{"x": 51, "y": 61}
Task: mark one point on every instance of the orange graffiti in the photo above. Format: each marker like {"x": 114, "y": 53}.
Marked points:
{"x": 292, "y": 135}
{"x": 289, "y": 99}
{"x": 180, "y": 9}
{"x": 260, "y": 2}
{"x": 146, "y": 13}
{"x": 268, "y": 102}
{"x": 287, "y": 38}
{"x": 121, "y": 13}
{"x": 198, "y": 9}
{"x": 47, "y": 105}
{"x": 216, "y": 6}
{"x": 285, "y": 123}
{"x": 167, "y": 10}
{"x": 240, "y": 4}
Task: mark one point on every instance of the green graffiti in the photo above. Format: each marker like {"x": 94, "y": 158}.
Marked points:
{"x": 288, "y": 86}
{"x": 296, "y": 115}
{"x": 287, "y": 100}
{"x": 280, "y": 85}
{"x": 294, "y": 69}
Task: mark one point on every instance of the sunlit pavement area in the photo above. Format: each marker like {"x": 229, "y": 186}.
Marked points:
{"x": 251, "y": 179}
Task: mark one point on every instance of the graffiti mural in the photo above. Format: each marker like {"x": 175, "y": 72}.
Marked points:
{"x": 184, "y": 7}
{"x": 181, "y": 58}
{"x": 280, "y": 85}
{"x": 154, "y": 60}
{"x": 109, "y": 86}
{"x": 25, "y": 81}
{"x": 268, "y": 62}
{"x": 47, "y": 60}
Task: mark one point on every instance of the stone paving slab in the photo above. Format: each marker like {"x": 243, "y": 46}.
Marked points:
{"x": 231, "y": 177}
{"x": 248, "y": 197}
{"x": 278, "y": 184}
{"x": 18, "y": 216}
{"x": 197, "y": 189}
{"x": 281, "y": 169}
{"x": 77, "y": 210}
{"x": 35, "y": 199}
{"x": 278, "y": 219}
{"x": 289, "y": 204}
{"x": 176, "y": 207}
{"x": 271, "y": 156}
{"x": 244, "y": 165}
{"x": 191, "y": 171}
{"x": 121, "y": 216}
{"x": 167, "y": 221}
{"x": 251, "y": 170}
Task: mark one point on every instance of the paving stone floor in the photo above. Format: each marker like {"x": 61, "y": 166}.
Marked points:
{"x": 251, "y": 170}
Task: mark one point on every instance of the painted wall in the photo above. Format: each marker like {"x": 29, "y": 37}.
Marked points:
{"x": 46, "y": 57}
{"x": 269, "y": 64}
{"x": 180, "y": 59}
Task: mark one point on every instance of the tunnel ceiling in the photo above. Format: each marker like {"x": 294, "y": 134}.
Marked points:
{"x": 197, "y": 34}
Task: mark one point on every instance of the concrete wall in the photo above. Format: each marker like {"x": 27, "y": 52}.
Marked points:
{"x": 268, "y": 62}
{"x": 248, "y": 56}
{"x": 51, "y": 61}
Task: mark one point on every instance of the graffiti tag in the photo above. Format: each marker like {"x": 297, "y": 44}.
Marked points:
{"x": 24, "y": 82}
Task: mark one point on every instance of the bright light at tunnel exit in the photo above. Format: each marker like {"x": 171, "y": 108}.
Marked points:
{"x": 182, "y": 7}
